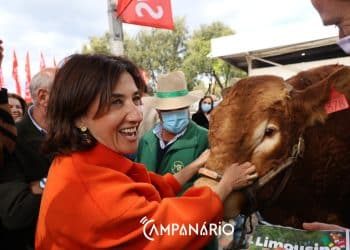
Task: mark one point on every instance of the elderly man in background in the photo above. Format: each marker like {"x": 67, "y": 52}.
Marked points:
{"x": 175, "y": 141}
{"x": 32, "y": 131}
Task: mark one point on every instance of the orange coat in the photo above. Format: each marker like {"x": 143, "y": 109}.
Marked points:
{"x": 96, "y": 199}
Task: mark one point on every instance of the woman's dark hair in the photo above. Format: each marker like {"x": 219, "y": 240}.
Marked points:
{"x": 77, "y": 83}
{"x": 200, "y": 104}
{"x": 23, "y": 103}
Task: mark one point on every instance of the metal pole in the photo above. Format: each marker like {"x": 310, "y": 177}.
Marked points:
{"x": 116, "y": 29}
{"x": 249, "y": 63}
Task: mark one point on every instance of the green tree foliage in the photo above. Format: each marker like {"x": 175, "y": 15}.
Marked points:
{"x": 198, "y": 65}
{"x": 98, "y": 45}
{"x": 158, "y": 51}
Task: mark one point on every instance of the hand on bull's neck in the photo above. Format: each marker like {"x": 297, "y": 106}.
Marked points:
{"x": 235, "y": 177}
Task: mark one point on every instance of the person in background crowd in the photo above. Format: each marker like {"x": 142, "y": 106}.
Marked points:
{"x": 8, "y": 132}
{"x": 32, "y": 131}
{"x": 18, "y": 106}
{"x": 175, "y": 141}
{"x": 336, "y": 12}
{"x": 333, "y": 12}
{"x": 95, "y": 197}
{"x": 202, "y": 116}
{"x": 7, "y": 146}
{"x": 23, "y": 179}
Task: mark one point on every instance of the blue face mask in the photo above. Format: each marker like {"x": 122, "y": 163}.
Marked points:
{"x": 175, "y": 121}
{"x": 205, "y": 107}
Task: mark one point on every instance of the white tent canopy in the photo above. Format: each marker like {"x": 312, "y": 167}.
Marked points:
{"x": 287, "y": 50}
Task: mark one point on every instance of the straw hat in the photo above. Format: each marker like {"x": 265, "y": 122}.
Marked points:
{"x": 172, "y": 92}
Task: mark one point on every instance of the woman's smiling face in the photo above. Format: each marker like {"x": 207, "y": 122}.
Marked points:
{"x": 16, "y": 109}
{"x": 117, "y": 128}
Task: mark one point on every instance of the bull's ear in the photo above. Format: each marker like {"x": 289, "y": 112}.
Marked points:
{"x": 310, "y": 102}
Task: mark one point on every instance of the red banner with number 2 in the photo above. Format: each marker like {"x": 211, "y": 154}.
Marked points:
{"x": 154, "y": 13}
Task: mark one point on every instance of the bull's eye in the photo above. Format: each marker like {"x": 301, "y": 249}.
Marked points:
{"x": 269, "y": 132}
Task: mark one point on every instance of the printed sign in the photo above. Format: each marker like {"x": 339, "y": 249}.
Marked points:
{"x": 277, "y": 237}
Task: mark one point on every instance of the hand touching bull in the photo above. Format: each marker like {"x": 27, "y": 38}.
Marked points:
{"x": 235, "y": 177}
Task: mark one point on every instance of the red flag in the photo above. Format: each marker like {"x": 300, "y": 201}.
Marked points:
{"x": 27, "y": 96}
{"x": 2, "y": 82}
{"x": 42, "y": 61}
{"x": 54, "y": 62}
{"x": 15, "y": 74}
{"x": 154, "y": 13}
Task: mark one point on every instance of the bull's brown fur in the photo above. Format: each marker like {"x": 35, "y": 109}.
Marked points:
{"x": 319, "y": 186}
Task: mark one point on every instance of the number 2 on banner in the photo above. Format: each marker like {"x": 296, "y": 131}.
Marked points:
{"x": 153, "y": 13}
{"x": 144, "y": 6}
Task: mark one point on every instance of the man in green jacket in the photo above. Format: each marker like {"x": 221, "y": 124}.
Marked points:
{"x": 176, "y": 141}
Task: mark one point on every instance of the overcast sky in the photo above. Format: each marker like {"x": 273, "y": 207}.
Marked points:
{"x": 60, "y": 27}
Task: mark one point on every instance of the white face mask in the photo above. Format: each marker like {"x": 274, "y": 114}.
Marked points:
{"x": 344, "y": 43}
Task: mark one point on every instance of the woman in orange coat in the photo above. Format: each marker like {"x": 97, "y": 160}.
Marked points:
{"x": 95, "y": 198}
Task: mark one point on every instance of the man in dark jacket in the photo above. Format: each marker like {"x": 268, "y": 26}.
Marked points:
{"x": 23, "y": 178}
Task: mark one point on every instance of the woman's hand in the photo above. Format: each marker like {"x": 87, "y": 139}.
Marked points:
{"x": 235, "y": 177}
{"x": 239, "y": 176}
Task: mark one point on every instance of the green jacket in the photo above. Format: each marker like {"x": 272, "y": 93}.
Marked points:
{"x": 182, "y": 152}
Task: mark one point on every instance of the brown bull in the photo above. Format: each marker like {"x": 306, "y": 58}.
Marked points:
{"x": 261, "y": 119}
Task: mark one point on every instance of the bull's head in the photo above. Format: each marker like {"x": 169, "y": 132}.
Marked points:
{"x": 260, "y": 119}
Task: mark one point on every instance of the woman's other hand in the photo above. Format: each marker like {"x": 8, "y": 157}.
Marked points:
{"x": 235, "y": 177}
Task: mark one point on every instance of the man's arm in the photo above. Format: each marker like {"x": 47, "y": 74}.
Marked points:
{"x": 191, "y": 169}
{"x": 316, "y": 226}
